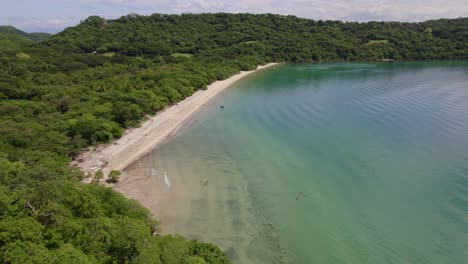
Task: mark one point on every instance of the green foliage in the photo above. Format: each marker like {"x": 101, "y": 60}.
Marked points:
{"x": 114, "y": 176}
{"x": 10, "y": 43}
{"x": 32, "y": 36}
{"x": 265, "y": 37}
{"x": 177, "y": 250}
{"x": 98, "y": 175}
{"x": 208, "y": 252}
{"x": 23, "y": 56}
{"x": 59, "y": 220}
{"x": 83, "y": 86}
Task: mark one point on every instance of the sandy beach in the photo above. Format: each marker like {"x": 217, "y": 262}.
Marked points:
{"x": 137, "y": 142}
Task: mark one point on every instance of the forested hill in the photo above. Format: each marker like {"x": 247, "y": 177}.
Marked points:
{"x": 83, "y": 86}
{"x": 274, "y": 37}
{"x": 36, "y": 36}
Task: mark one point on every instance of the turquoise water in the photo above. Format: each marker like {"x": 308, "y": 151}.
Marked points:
{"x": 326, "y": 163}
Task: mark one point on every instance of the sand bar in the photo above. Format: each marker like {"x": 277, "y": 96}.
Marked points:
{"x": 137, "y": 142}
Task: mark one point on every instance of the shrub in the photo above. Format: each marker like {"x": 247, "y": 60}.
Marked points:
{"x": 114, "y": 176}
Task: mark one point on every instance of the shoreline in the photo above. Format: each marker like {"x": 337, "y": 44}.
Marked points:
{"x": 135, "y": 143}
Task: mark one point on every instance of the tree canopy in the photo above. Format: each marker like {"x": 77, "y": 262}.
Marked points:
{"x": 36, "y": 36}
{"x": 84, "y": 85}
{"x": 268, "y": 36}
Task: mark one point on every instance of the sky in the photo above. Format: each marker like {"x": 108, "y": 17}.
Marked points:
{"x": 54, "y": 15}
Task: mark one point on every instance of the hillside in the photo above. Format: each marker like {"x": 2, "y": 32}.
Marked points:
{"x": 13, "y": 43}
{"x": 83, "y": 86}
{"x": 36, "y": 36}
{"x": 275, "y": 37}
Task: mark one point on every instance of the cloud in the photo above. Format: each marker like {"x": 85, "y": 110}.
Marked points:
{"x": 57, "y": 14}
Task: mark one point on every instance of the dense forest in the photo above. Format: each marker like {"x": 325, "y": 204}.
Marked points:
{"x": 62, "y": 93}
{"x": 32, "y": 36}
{"x": 270, "y": 37}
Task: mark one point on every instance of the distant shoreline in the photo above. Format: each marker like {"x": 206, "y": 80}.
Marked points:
{"x": 137, "y": 142}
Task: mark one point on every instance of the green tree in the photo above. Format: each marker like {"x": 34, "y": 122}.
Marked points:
{"x": 114, "y": 176}
{"x": 98, "y": 176}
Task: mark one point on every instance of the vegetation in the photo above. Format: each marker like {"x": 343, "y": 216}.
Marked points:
{"x": 114, "y": 176}
{"x": 98, "y": 176}
{"x": 83, "y": 86}
{"x": 38, "y": 36}
{"x": 266, "y": 37}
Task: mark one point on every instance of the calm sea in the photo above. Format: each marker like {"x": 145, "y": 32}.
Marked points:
{"x": 325, "y": 163}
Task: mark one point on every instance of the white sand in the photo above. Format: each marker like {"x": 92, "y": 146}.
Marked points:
{"x": 137, "y": 142}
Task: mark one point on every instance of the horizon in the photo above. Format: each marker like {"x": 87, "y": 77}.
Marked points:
{"x": 53, "y": 16}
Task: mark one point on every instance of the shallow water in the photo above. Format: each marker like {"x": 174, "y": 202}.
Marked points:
{"x": 324, "y": 163}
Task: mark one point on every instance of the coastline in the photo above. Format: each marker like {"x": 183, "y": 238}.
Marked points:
{"x": 137, "y": 142}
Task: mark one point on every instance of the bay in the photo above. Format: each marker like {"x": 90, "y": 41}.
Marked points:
{"x": 323, "y": 163}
